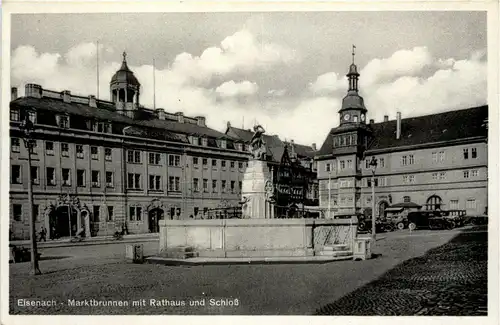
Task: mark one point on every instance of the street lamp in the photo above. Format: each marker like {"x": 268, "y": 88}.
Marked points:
{"x": 27, "y": 127}
{"x": 373, "y": 167}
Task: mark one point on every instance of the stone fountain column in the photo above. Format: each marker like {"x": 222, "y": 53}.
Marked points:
{"x": 253, "y": 191}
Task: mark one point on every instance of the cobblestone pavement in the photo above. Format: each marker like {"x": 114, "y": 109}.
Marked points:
{"x": 448, "y": 280}
{"x": 260, "y": 289}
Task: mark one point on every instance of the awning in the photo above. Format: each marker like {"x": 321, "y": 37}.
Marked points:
{"x": 394, "y": 209}
{"x": 406, "y": 205}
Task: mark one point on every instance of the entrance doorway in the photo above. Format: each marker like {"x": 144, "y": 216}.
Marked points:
{"x": 434, "y": 203}
{"x": 63, "y": 222}
{"x": 154, "y": 217}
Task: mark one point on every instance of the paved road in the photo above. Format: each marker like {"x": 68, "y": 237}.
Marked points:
{"x": 260, "y": 289}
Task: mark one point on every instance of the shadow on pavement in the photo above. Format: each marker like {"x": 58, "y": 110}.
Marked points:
{"x": 448, "y": 280}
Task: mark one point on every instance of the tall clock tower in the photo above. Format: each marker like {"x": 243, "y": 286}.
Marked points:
{"x": 353, "y": 107}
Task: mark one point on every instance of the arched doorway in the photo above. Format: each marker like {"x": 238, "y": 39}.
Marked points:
{"x": 154, "y": 217}
{"x": 381, "y": 209}
{"x": 434, "y": 203}
{"x": 63, "y": 221}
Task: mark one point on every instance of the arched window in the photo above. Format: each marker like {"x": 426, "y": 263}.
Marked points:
{"x": 434, "y": 203}
{"x": 406, "y": 199}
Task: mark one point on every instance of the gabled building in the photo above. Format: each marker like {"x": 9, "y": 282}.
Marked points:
{"x": 437, "y": 161}
{"x": 102, "y": 165}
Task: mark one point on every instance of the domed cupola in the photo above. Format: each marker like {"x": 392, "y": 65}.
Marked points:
{"x": 353, "y": 107}
{"x": 125, "y": 89}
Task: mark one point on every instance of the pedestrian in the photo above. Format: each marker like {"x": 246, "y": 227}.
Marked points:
{"x": 43, "y": 234}
{"x": 53, "y": 234}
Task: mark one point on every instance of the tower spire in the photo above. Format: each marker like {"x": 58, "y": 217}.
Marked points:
{"x": 353, "y": 52}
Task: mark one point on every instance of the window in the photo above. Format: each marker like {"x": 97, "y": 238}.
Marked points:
{"x": 240, "y": 185}
{"x": 214, "y": 162}
{"x": 32, "y": 116}
{"x": 434, "y": 157}
{"x": 441, "y": 156}
{"x": 51, "y": 176}
{"x": 196, "y": 185}
{"x": 79, "y": 151}
{"x": 223, "y": 186}
{"x": 17, "y": 211}
{"x": 134, "y": 156}
{"x": 342, "y": 164}
{"x": 232, "y": 186}
{"x": 16, "y": 174}
{"x": 109, "y": 179}
{"x": 434, "y": 176}
{"x": 223, "y": 164}
{"x": 49, "y": 148}
{"x": 343, "y": 183}
{"x": 466, "y": 153}
{"x": 101, "y": 127}
{"x": 349, "y": 163}
{"x": 473, "y": 153}
{"x": 36, "y": 211}
{"x": 232, "y": 164}
{"x": 195, "y": 161}
{"x": 240, "y": 164}
{"x": 174, "y": 160}
{"x": 80, "y": 178}
{"x": 135, "y": 213}
{"x": 35, "y": 145}
{"x": 381, "y": 162}
{"x": 134, "y": 181}
{"x": 35, "y": 179}
{"x": 204, "y": 142}
{"x": 64, "y": 150}
{"x": 442, "y": 175}
{"x": 454, "y": 205}
{"x": 14, "y": 115}
{"x": 97, "y": 212}
{"x": 15, "y": 145}
{"x": 367, "y": 163}
{"x": 63, "y": 121}
{"x": 466, "y": 174}
{"x": 108, "y": 154}
{"x": 368, "y": 182}
{"x": 474, "y": 173}
{"x": 406, "y": 199}
{"x": 405, "y": 179}
{"x": 412, "y": 179}
{"x": 327, "y": 167}
{"x": 205, "y": 185}
{"x": 155, "y": 182}
{"x": 471, "y": 204}
{"x": 154, "y": 158}
{"x": 411, "y": 160}
{"x": 205, "y": 162}
{"x": 110, "y": 213}
{"x": 66, "y": 177}
{"x": 381, "y": 181}
{"x": 174, "y": 184}
{"x": 96, "y": 179}
{"x": 404, "y": 160}
{"x": 214, "y": 186}
{"x": 94, "y": 152}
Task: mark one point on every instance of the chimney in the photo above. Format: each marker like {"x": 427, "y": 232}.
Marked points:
{"x": 398, "y": 125}
{"x": 372, "y": 121}
{"x": 200, "y": 120}
{"x": 13, "y": 93}
{"x": 386, "y": 118}
{"x": 92, "y": 101}
{"x": 160, "y": 113}
{"x": 228, "y": 125}
{"x": 33, "y": 90}
{"x": 313, "y": 146}
{"x": 66, "y": 96}
{"x": 180, "y": 117}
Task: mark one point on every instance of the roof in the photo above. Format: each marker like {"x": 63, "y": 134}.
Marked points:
{"x": 275, "y": 146}
{"x": 124, "y": 74}
{"x": 427, "y": 129}
{"x": 407, "y": 205}
{"x": 106, "y": 112}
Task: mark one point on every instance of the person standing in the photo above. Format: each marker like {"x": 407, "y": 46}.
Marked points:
{"x": 43, "y": 234}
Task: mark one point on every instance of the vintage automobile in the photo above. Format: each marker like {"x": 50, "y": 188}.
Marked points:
{"x": 381, "y": 225}
{"x": 436, "y": 219}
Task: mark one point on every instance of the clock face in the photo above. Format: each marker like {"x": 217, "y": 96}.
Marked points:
{"x": 363, "y": 117}
{"x": 346, "y": 117}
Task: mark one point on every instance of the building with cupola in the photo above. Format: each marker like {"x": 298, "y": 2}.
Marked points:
{"x": 437, "y": 161}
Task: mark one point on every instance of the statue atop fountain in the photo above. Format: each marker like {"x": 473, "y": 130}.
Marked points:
{"x": 257, "y": 182}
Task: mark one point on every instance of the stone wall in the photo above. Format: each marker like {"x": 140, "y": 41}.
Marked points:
{"x": 256, "y": 237}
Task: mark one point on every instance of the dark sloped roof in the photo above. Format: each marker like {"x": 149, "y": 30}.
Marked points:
{"x": 407, "y": 205}
{"x": 105, "y": 112}
{"x": 441, "y": 127}
{"x": 125, "y": 75}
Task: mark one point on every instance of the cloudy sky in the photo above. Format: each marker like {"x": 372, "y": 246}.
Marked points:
{"x": 284, "y": 70}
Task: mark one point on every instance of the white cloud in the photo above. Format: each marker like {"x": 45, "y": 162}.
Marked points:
{"x": 233, "y": 89}
{"x": 394, "y": 84}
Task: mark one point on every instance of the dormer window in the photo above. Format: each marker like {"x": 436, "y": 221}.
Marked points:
{"x": 239, "y": 146}
{"x": 14, "y": 115}
{"x": 63, "y": 121}
{"x": 101, "y": 127}
{"x": 32, "y": 116}
{"x": 223, "y": 144}
{"x": 204, "y": 142}
{"x": 195, "y": 141}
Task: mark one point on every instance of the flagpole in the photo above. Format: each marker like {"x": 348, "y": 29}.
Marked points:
{"x": 154, "y": 85}
{"x": 97, "y": 67}
{"x": 329, "y": 193}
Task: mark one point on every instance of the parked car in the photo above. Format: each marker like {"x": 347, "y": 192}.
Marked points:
{"x": 381, "y": 225}
{"x": 481, "y": 219}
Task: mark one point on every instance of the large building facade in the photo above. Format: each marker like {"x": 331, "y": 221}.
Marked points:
{"x": 102, "y": 165}
{"x": 436, "y": 161}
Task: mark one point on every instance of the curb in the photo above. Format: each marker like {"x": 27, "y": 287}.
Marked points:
{"x": 92, "y": 242}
